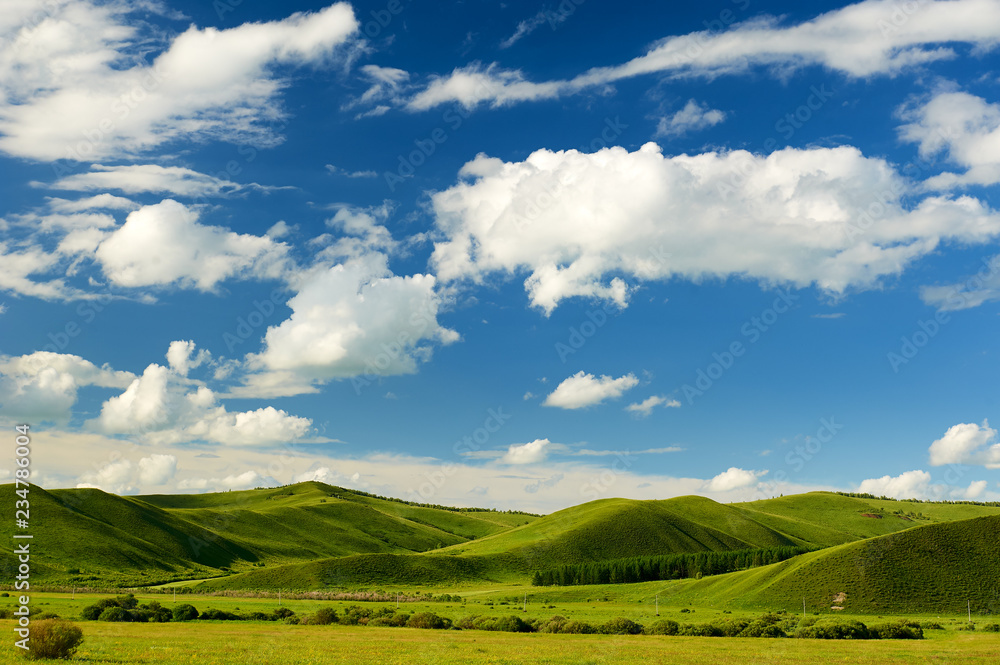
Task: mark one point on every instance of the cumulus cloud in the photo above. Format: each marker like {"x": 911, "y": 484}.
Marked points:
{"x": 75, "y": 86}
{"x": 163, "y": 245}
{"x": 161, "y": 407}
{"x": 733, "y": 479}
{"x": 646, "y": 406}
{"x": 691, "y": 118}
{"x": 182, "y": 357}
{"x": 967, "y": 443}
{"x": 115, "y": 476}
{"x": 582, "y": 390}
{"x": 980, "y": 288}
{"x": 43, "y": 386}
{"x": 964, "y": 127}
{"x": 355, "y": 319}
{"x": 578, "y": 223}
{"x": 860, "y": 40}
{"x": 909, "y": 485}
{"x": 139, "y": 178}
{"x": 157, "y": 469}
{"x": 527, "y": 453}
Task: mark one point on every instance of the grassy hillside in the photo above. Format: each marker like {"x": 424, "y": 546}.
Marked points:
{"x": 823, "y": 519}
{"x": 932, "y": 568}
{"x": 618, "y": 528}
{"x": 86, "y": 536}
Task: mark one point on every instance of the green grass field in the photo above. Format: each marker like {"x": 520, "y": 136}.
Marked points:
{"x": 250, "y": 643}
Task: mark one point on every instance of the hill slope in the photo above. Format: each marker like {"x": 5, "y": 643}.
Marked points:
{"x": 933, "y": 568}
{"x": 86, "y": 536}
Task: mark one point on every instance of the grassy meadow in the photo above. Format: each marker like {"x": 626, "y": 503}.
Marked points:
{"x": 252, "y": 643}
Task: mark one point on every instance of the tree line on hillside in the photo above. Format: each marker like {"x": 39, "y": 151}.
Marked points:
{"x": 866, "y": 495}
{"x": 663, "y": 567}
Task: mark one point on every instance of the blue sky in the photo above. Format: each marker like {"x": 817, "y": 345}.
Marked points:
{"x": 519, "y": 256}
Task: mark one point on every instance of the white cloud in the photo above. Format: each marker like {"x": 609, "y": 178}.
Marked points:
{"x": 355, "y": 319}
{"x": 581, "y": 390}
{"x": 242, "y": 481}
{"x": 19, "y": 266}
{"x": 474, "y": 84}
{"x": 139, "y": 178}
{"x": 114, "y": 477}
{"x": 157, "y": 469}
{"x": 692, "y": 117}
{"x": 965, "y": 127}
{"x": 527, "y": 453}
{"x": 646, "y": 406}
{"x": 323, "y": 474}
{"x": 571, "y": 220}
{"x": 909, "y": 485}
{"x": 97, "y": 202}
{"x": 860, "y": 40}
{"x": 163, "y": 244}
{"x": 160, "y": 407}
{"x": 980, "y": 288}
{"x": 529, "y": 25}
{"x": 733, "y": 479}
{"x": 182, "y": 358}
{"x": 74, "y": 85}
{"x": 42, "y": 386}
{"x": 386, "y": 84}
{"x": 967, "y": 443}
{"x": 975, "y": 489}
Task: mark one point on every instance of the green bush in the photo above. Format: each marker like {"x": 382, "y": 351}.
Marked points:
{"x": 54, "y": 638}
{"x": 827, "y": 629}
{"x": 185, "y": 612}
{"x": 324, "y": 616}
{"x": 45, "y": 615}
{"x": 114, "y": 613}
{"x": 699, "y": 630}
{"x": 762, "y": 628}
{"x": 992, "y": 628}
{"x": 898, "y": 630}
{"x": 553, "y": 625}
{"x": 620, "y": 626}
{"x": 577, "y": 628}
{"x": 394, "y": 620}
{"x": 732, "y": 627}
{"x": 283, "y": 613}
{"x": 128, "y": 601}
{"x": 662, "y": 627}
{"x": 92, "y": 612}
{"x": 354, "y": 615}
{"x": 218, "y": 615}
{"x": 428, "y": 620}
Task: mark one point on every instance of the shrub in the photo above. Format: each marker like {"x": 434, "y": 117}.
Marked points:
{"x": 835, "y": 630}
{"x": 428, "y": 620}
{"x": 53, "y": 638}
{"x": 932, "y": 625}
{"x": 662, "y": 627}
{"x": 292, "y": 620}
{"x": 218, "y": 615}
{"x": 354, "y": 615}
{"x": 114, "y": 613}
{"x": 324, "y": 616}
{"x": 127, "y": 601}
{"x": 553, "y": 625}
{"x": 185, "y": 612}
{"x": 395, "y": 620}
{"x": 621, "y": 626}
{"x": 92, "y": 612}
{"x": 732, "y": 627}
{"x": 699, "y": 630}
{"x": 578, "y": 628}
{"x": 898, "y": 630}
{"x": 762, "y": 628}
{"x": 45, "y": 615}
{"x": 991, "y": 628}
{"x": 283, "y": 613}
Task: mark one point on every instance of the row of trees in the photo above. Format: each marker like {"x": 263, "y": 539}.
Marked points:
{"x": 866, "y": 495}
{"x": 663, "y": 567}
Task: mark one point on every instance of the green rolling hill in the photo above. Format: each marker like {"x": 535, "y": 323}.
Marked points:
{"x": 931, "y": 568}
{"x": 308, "y": 536}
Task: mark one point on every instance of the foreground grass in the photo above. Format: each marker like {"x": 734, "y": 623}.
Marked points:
{"x": 253, "y": 644}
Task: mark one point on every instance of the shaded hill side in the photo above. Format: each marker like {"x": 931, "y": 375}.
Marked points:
{"x": 619, "y": 528}
{"x": 823, "y": 519}
{"x": 87, "y": 536}
{"x": 933, "y": 568}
